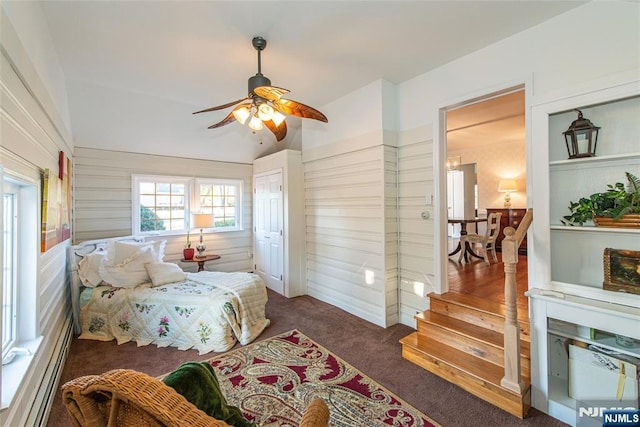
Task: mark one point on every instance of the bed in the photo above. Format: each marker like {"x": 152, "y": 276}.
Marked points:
{"x": 122, "y": 289}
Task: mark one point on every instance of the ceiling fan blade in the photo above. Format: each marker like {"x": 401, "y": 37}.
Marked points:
{"x": 298, "y": 109}
{"x": 230, "y": 117}
{"x": 271, "y": 93}
{"x": 221, "y": 107}
{"x": 279, "y": 131}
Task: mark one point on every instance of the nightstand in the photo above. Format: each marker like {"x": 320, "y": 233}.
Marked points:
{"x": 201, "y": 260}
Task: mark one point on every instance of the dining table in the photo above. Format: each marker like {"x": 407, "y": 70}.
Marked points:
{"x": 468, "y": 250}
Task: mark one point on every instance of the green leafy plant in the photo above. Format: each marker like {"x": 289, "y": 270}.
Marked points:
{"x": 188, "y": 244}
{"x": 633, "y": 195}
{"x": 615, "y": 202}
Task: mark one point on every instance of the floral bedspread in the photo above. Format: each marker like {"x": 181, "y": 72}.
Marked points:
{"x": 209, "y": 311}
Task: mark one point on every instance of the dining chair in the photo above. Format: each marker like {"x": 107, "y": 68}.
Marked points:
{"x": 487, "y": 240}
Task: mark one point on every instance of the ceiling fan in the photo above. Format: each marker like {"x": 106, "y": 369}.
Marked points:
{"x": 264, "y": 104}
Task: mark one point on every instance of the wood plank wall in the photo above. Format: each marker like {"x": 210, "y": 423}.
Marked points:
{"x": 102, "y": 189}
{"x": 415, "y": 235}
{"x": 347, "y": 233}
{"x": 32, "y": 136}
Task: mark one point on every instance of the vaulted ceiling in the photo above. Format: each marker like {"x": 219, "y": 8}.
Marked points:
{"x": 136, "y": 70}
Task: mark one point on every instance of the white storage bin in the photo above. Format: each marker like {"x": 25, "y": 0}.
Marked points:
{"x": 598, "y": 376}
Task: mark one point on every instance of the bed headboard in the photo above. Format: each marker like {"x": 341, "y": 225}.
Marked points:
{"x": 75, "y": 254}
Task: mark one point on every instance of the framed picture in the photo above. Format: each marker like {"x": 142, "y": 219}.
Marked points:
{"x": 56, "y": 204}
{"x": 622, "y": 270}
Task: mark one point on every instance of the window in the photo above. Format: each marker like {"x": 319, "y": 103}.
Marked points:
{"x": 220, "y": 199}
{"x": 20, "y": 229}
{"x": 163, "y": 204}
{"x": 9, "y": 269}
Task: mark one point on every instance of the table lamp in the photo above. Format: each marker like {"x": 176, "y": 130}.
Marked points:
{"x": 201, "y": 220}
{"x": 507, "y": 186}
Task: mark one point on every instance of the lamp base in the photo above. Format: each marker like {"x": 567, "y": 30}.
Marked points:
{"x": 507, "y": 200}
{"x": 201, "y": 248}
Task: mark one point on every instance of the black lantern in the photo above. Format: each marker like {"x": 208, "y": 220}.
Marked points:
{"x": 581, "y": 138}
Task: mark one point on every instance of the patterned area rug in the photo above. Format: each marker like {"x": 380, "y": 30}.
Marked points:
{"x": 273, "y": 380}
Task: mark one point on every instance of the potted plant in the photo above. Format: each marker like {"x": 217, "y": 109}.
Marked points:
{"x": 618, "y": 206}
{"x": 188, "y": 251}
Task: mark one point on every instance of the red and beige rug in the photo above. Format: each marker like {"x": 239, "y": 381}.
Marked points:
{"x": 273, "y": 380}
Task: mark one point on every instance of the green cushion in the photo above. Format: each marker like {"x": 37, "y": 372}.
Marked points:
{"x": 197, "y": 382}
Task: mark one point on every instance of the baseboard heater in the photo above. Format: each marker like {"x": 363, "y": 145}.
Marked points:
{"x": 39, "y": 413}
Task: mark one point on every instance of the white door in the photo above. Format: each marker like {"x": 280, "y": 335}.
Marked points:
{"x": 455, "y": 199}
{"x": 268, "y": 230}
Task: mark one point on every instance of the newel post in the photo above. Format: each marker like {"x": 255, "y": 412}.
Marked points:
{"x": 512, "y": 379}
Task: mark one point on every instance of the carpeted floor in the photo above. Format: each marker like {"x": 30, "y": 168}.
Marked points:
{"x": 373, "y": 350}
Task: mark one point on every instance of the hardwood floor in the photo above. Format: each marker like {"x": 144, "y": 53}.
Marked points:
{"x": 485, "y": 281}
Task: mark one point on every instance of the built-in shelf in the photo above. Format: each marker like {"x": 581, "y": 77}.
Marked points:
{"x": 571, "y": 301}
{"x": 593, "y": 229}
{"x": 596, "y": 159}
{"x": 601, "y": 339}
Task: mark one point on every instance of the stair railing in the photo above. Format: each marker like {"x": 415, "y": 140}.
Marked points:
{"x": 512, "y": 379}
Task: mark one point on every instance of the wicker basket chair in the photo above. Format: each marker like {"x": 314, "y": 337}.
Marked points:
{"x": 124, "y": 397}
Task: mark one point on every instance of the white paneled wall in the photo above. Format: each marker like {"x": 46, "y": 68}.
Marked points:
{"x": 351, "y": 243}
{"x": 415, "y": 236}
{"x": 32, "y": 135}
{"x": 390, "y": 212}
{"x": 102, "y": 189}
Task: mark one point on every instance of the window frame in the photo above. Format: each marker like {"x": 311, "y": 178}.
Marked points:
{"x": 27, "y": 340}
{"x": 192, "y": 204}
{"x": 136, "y": 180}
{"x": 7, "y": 189}
{"x": 238, "y": 183}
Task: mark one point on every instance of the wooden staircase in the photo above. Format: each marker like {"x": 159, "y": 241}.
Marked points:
{"x": 460, "y": 338}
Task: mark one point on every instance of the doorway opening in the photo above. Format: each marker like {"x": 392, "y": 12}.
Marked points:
{"x": 486, "y": 138}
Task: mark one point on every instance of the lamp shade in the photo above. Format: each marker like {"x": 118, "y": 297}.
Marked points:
{"x": 507, "y": 185}
{"x": 202, "y": 220}
{"x": 278, "y": 118}
{"x": 255, "y": 123}
{"x": 241, "y": 114}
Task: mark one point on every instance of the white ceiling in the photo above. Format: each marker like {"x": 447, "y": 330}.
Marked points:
{"x": 136, "y": 70}
{"x": 494, "y": 121}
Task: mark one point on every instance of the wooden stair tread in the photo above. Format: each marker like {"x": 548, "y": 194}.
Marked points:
{"x": 468, "y": 363}
{"x": 469, "y": 330}
{"x": 479, "y": 304}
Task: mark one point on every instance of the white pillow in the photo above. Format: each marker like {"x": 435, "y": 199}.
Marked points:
{"x": 88, "y": 269}
{"x": 128, "y": 274}
{"x": 162, "y": 273}
{"x": 121, "y": 252}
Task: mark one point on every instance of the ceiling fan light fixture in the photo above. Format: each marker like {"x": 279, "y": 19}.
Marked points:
{"x": 242, "y": 114}
{"x": 255, "y": 123}
{"x": 264, "y": 106}
{"x": 265, "y": 111}
{"x": 278, "y": 118}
